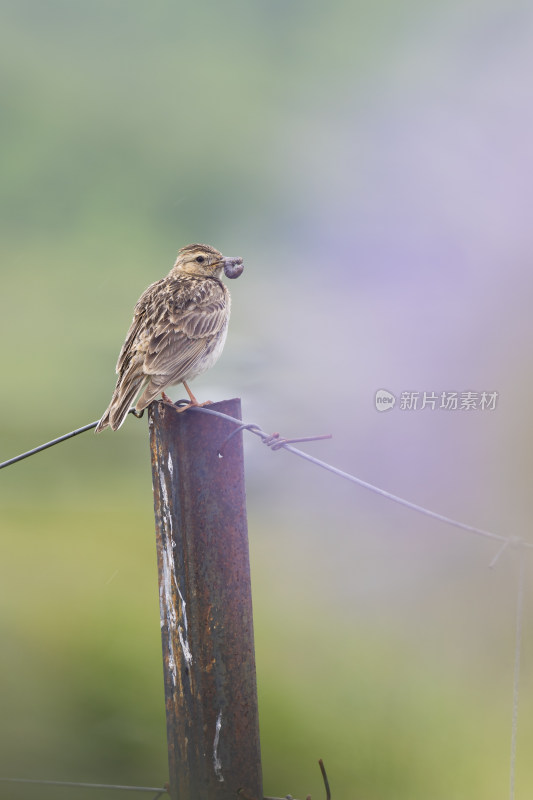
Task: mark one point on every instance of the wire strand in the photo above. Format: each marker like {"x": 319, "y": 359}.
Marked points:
{"x": 73, "y": 784}
{"x": 48, "y": 444}
{"x": 516, "y": 681}
{"x": 59, "y": 439}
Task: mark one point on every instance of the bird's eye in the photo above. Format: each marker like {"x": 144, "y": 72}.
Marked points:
{"x": 200, "y": 259}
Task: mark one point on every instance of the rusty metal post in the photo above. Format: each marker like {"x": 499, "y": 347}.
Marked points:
{"x": 206, "y": 606}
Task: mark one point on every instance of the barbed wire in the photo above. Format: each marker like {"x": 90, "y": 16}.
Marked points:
{"x": 276, "y": 442}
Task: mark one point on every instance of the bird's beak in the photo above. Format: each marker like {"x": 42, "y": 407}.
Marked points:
{"x": 233, "y": 267}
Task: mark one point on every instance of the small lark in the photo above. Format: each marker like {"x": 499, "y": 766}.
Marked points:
{"x": 178, "y": 331}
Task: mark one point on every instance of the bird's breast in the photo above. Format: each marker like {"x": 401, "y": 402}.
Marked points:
{"x": 211, "y": 354}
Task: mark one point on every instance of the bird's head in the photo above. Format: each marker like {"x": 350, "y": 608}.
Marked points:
{"x": 204, "y": 261}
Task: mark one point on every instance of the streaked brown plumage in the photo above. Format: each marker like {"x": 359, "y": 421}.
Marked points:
{"x": 178, "y": 331}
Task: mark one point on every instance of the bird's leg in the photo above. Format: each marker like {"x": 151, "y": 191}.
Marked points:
{"x": 194, "y": 401}
{"x": 192, "y": 398}
{"x": 166, "y": 398}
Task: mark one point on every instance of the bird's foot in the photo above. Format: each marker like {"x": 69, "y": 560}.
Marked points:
{"x": 194, "y": 404}
{"x": 192, "y": 398}
{"x": 166, "y": 398}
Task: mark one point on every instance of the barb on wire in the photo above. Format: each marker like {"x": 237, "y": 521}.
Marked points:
{"x": 274, "y": 440}
{"x": 512, "y": 541}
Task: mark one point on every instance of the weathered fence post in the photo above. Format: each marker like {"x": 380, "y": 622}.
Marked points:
{"x": 206, "y": 607}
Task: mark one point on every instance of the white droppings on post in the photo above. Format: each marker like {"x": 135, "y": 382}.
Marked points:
{"x": 166, "y": 604}
{"x": 184, "y": 635}
{"x": 217, "y": 764}
{"x": 170, "y": 466}
{"x": 166, "y": 600}
{"x": 167, "y": 519}
{"x": 185, "y": 646}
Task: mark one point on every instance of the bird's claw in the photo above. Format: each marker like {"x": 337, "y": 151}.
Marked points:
{"x": 194, "y": 405}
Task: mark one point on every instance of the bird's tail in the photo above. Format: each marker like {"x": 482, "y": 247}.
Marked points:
{"x": 155, "y": 386}
{"x": 123, "y": 396}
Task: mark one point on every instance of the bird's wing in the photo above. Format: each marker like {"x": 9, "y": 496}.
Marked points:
{"x": 192, "y": 312}
{"x": 138, "y": 328}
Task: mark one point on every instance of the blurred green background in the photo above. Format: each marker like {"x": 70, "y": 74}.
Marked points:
{"x": 372, "y": 164}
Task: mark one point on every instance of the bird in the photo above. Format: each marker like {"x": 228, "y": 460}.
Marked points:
{"x": 178, "y": 332}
